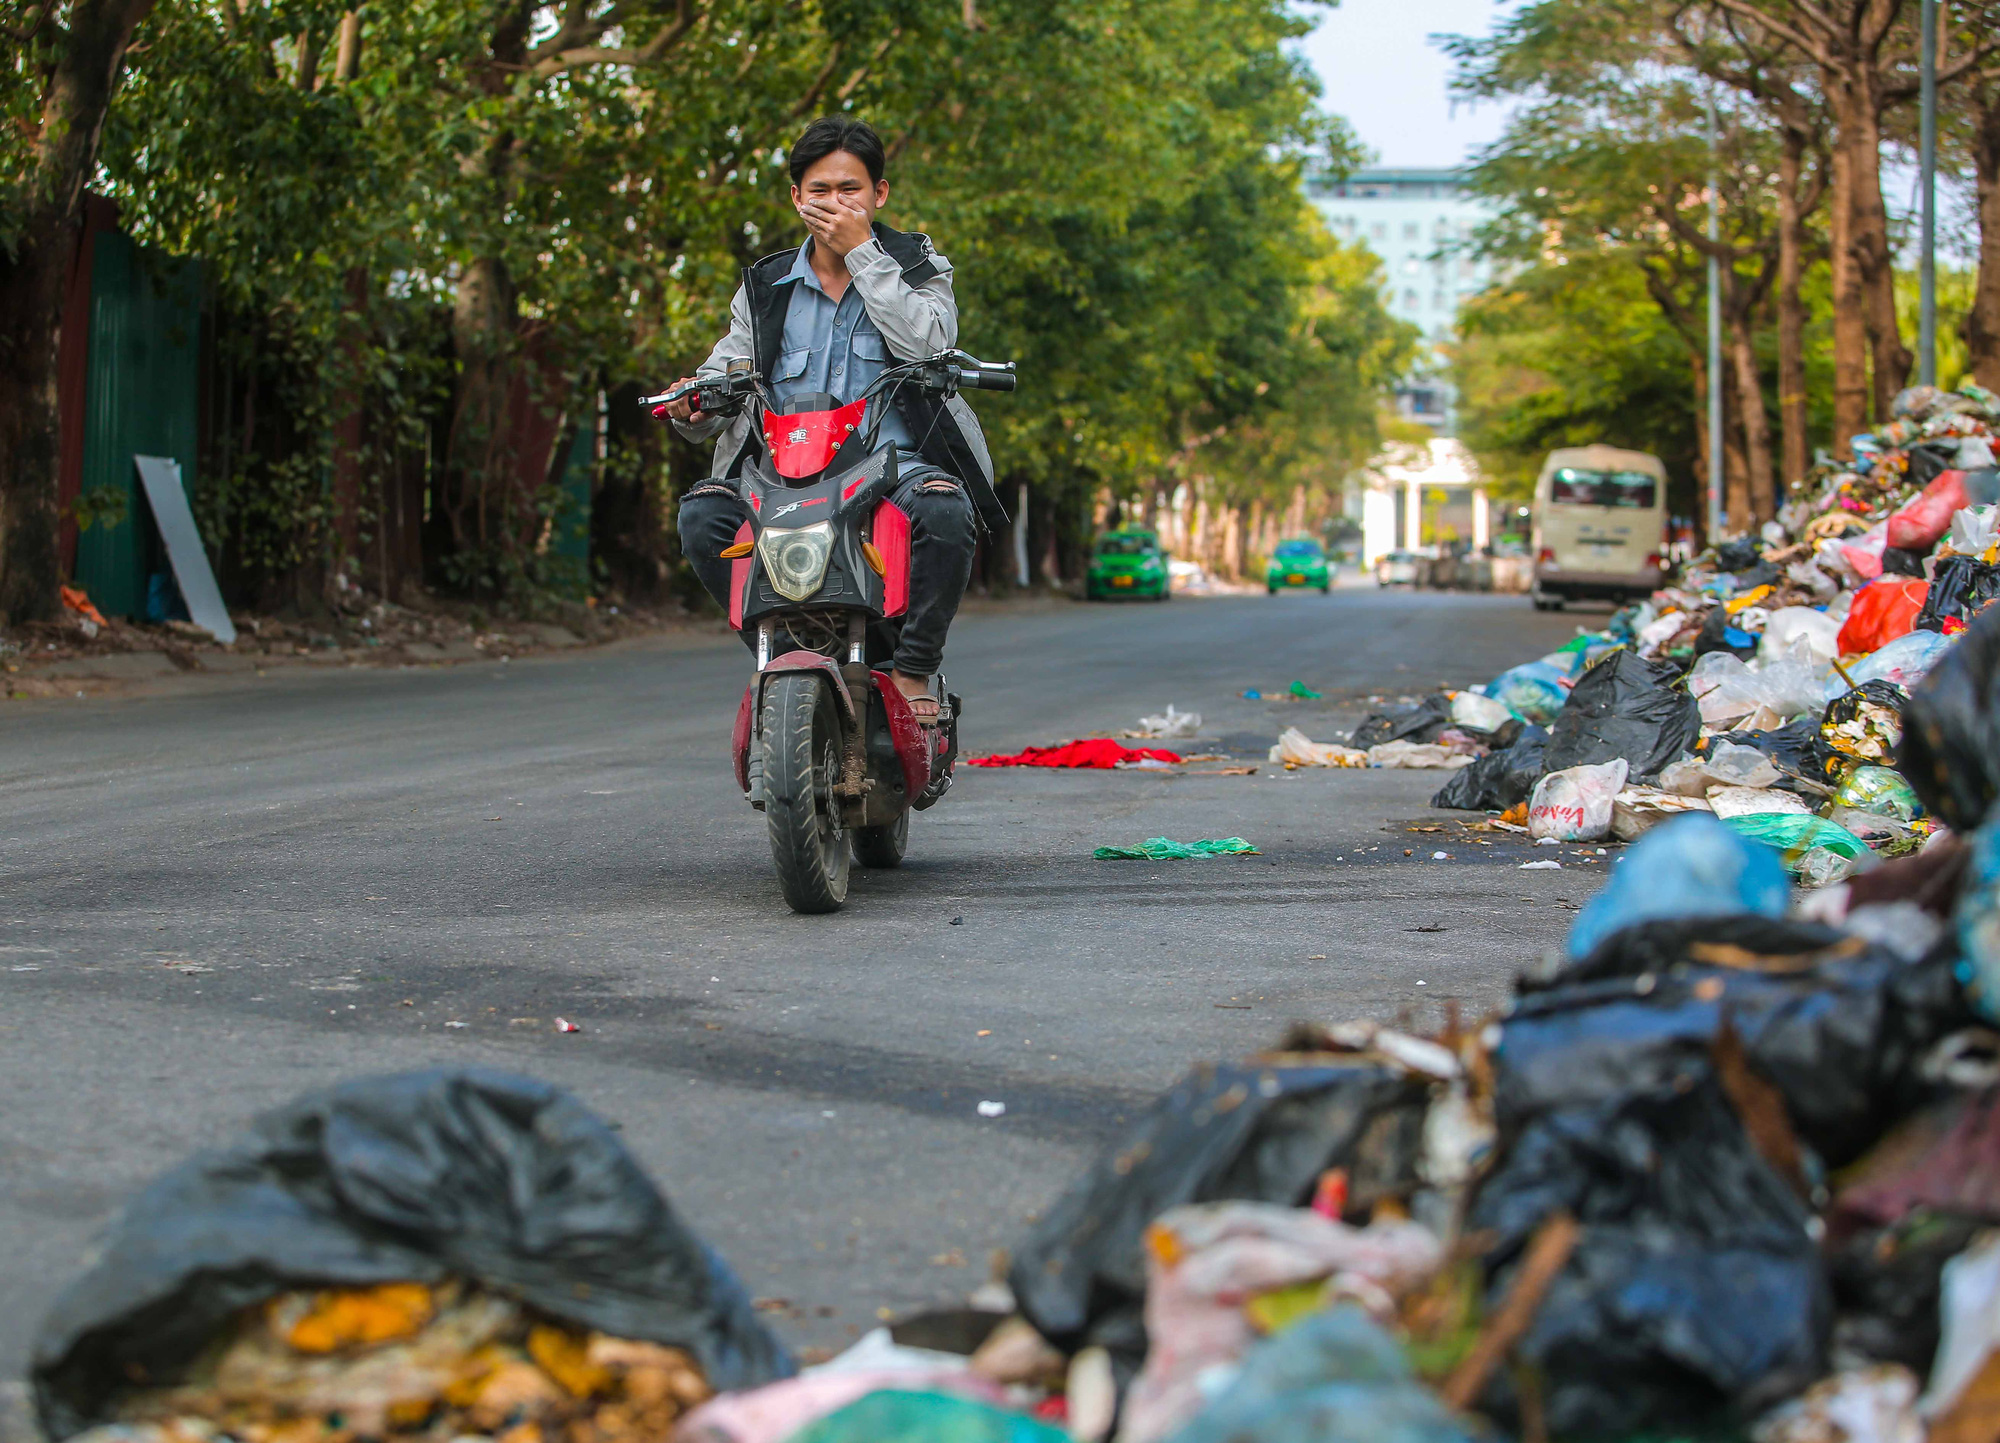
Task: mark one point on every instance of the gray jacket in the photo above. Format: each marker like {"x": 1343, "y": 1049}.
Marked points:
{"x": 906, "y": 287}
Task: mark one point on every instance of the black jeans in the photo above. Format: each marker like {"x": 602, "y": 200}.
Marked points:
{"x": 941, "y": 543}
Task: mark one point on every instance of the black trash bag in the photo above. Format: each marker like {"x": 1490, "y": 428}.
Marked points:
{"x": 1836, "y": 1026}
{"x": 1498, "y": 780}
{"x": 1951, "y": 730}
{"x": 1930, "y": 460}
{"x": 1799, "y": 751}
{"x": 1625, "y": 706}
{"x": 1249, "y": 1131}
{"x": 1419, "y": 723}
{"x": 1695, "y": 1297}
{"x": 1716, "y": 632}
{"x": 1738, "y": 555}
{"x": 1898, "y": 562}
{"x": 1962, "y": 587}
{"x": 1881, "y": 734}
{"x": 1888, "y": 1283}
{"x": 418, "y": 1176}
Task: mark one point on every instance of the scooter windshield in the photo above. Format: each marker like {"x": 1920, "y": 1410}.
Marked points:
{"x": 804, "y": 444}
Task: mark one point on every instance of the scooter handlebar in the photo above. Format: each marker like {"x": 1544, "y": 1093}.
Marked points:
{"x": 986, "y": 378}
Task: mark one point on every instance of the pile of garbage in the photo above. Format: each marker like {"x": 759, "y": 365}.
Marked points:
{"x": 1769, "y": 686}
{"x": 436, "y": 1255}
{"x": 1728, "y": 1165}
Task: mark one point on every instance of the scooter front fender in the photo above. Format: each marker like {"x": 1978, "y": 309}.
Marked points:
{"x": 810, "y": 661}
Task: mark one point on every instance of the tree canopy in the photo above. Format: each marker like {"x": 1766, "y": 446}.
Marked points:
{"x": 421, "y": 220}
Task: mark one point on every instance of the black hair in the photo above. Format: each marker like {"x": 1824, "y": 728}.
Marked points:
{"x": 836, "y": 132}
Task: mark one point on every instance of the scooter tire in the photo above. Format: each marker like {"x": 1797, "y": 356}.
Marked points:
{"x": 883, "y": 846}
{"x": 802, "y": 751}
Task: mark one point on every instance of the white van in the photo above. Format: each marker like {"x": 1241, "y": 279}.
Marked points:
{"x": 1600, "y": 526}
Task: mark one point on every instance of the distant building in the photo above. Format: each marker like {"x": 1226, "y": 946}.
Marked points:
{"x": 1419, "y": 222}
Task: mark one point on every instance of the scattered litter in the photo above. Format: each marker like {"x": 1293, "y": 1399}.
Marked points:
{"x": 992, "y": 1109}
{"x": 1542, "y": 866}
{"x": 1299, "y": 691}
{"x": 1171, "y": 723}
{"x": 1095, "y": 753}
{"x": 1416, "y": 755}
{"x": 563, "y": 1024}
{"x": 1165, "y": 849}
{"x": 1296, "y": 749}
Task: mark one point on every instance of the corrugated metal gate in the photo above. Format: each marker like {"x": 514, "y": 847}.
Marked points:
{"x": 142, "y": 394}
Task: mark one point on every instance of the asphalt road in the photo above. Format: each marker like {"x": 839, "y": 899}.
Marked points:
{"x": 214, "y": 899}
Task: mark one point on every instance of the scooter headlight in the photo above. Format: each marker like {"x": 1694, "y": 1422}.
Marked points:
{"x": 796, "y": 560}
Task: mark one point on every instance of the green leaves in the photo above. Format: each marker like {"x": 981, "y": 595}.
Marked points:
{"x": 1116, "y": 182}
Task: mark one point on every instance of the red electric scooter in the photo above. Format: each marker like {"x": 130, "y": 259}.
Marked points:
{"x": 826, "y": 746}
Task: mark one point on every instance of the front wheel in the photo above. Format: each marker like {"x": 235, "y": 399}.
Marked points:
{"x": 802, "y": 748}
{"x": 883, "y": 846}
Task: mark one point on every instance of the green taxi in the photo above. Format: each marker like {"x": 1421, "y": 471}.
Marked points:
{"x": 1127, "y": 562}
{"x": 1299, "y": 562}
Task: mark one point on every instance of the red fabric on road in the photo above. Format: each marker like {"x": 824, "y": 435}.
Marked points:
{"x": 1097, "y": 752}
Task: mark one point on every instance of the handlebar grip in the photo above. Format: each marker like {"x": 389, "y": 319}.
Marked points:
{"x": 986, "y": 380}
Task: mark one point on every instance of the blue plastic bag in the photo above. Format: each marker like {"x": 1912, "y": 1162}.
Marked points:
{"x": 1333, "y": 1377}
{"x": 893, "y": 1415}
{"x": 1978, "y": 924}
{"x": 1692, "y": 866}
{"x": 1533, "y": 691}
{"x": 1904, "y": 661}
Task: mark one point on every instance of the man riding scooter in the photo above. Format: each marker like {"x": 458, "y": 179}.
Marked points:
{"x": 827, "y": 319}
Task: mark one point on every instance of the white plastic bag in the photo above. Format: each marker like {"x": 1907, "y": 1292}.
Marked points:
{"x": 1661, "y": 630}
{"x": 1416, "y": 755}
{"x": 1172, "y": 724}
{"x": 1478, "y": 713}
{"x": 1972, "y": 530}
{"x": 1728, "y": 764}
{"x": 1574, "y": 805}
{"x": 1636, "y": 810}
{"x": 1970, "y": 1313}
{"x": 1727, "y": 690}
{"x": 1792, "y": 627}
{"x": 1296, "y": 749}
{"x": 1727, "y": 802}
{"x": 1204, "y": 1259}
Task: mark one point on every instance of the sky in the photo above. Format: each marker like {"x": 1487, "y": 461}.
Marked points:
{"x": 1380, "y": 71}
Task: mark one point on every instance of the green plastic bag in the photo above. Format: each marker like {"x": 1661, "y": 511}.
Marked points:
{"x": 894, "y": 1416}
{"x": 1816, "y": 851}
{"x": 1881, "y": 790}
{"x": 1166, "y": 849}
{"x": 1306, "y": 693}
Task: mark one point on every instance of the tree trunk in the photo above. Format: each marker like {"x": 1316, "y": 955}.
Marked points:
{"x": 1792, "y": 408}
{"x": 1981, "y": 327}
{"x": 483, "y": 324}
{"x": 90, "y": 58}
{"x": 1873, "y": 259}
{"x": 1850, "y": 324}
{"x": 1757, "y": 483}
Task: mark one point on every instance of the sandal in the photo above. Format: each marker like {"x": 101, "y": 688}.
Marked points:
{"x": 923, "y": 706}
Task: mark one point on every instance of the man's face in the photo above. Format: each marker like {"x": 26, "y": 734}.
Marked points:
{"x": 838, "y": 179}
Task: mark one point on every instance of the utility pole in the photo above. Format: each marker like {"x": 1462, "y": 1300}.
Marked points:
{"x": 1927, "y": 262}
{"x": 1715, "y": 335}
